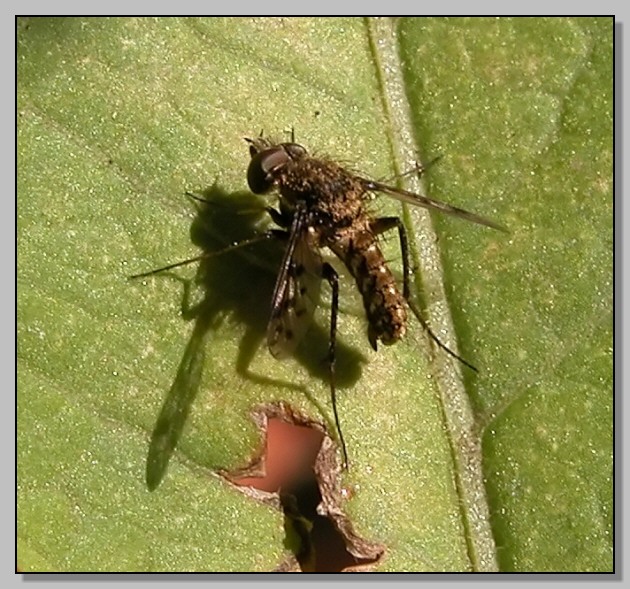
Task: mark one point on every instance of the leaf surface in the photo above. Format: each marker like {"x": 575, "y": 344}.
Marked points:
{"x": 117, "y": 118}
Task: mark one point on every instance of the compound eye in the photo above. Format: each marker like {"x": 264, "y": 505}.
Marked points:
{"x": 263, "y": 167}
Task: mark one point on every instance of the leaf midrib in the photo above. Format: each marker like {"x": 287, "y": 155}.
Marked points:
{"x": 453, "y": 399}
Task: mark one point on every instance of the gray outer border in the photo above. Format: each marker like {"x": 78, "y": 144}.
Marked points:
{"x": 328, "y": 7}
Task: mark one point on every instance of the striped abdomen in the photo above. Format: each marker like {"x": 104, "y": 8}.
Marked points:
{"x": 383, "y": 302}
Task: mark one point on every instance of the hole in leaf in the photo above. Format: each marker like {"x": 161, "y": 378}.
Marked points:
{"x": 299, "y": 463}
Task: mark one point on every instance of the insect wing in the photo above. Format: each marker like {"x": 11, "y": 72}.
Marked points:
{"x": 296, "y": 295}
{"x": 430, "y": 203}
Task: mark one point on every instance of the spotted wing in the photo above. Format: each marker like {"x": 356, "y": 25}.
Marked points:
{"x": 296, "y": 294}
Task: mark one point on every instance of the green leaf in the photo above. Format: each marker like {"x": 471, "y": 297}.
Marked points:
{"x": 117, "y": 118}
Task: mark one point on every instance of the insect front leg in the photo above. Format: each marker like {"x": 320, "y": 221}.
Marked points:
{"x": 271, "y": 233}
{"x": 383, "y": 224}
{"x": 330, "y": 274}
{"x": 282, "y": 219}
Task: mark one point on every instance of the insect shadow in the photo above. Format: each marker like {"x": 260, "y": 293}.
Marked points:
{"x": 237, "y": 284}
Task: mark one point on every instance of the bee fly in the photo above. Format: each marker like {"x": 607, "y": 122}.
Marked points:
{"x": 321, "y": 204}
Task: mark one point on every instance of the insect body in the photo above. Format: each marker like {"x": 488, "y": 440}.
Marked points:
{"x": 324, "y": 207}
{"x": 321, "y": 204}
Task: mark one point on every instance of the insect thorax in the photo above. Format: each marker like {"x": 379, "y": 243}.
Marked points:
{"x": 333, "y": 197}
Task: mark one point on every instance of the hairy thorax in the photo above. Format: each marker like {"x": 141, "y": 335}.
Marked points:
{"x": 334, "y": 197}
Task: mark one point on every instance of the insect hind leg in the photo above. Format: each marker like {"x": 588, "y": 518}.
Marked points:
{"x": 418, "y": 170}
{"x": 383, "y": 224}
{"x": 330, "y": 274}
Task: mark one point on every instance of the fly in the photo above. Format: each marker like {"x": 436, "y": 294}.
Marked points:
{"x": 323, "y": 205}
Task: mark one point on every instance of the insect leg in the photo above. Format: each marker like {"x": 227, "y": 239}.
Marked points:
{"x": 278, "y": 217}
{"x": 419, "y": 169}
{"x": 330, "y": 274}
{"x": 383, "y": 224}
{"x": 275, "y": 233}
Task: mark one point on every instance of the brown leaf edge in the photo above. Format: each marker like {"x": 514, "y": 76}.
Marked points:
{"x": 327, "y": 470}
